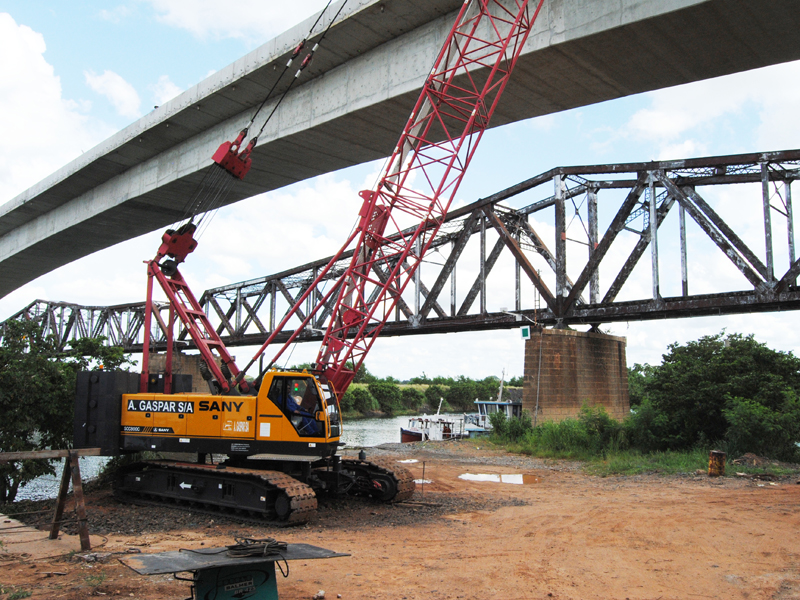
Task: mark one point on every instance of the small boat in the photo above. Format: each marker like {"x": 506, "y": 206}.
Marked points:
{"x": 435, "y": 427}
{"x": 478, "y": 424}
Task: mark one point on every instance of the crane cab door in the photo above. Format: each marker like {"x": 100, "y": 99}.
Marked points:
{"x": 289, "y": 414}
{"x": 270, "y": 422}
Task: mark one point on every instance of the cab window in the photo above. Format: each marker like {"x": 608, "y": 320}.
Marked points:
{"x": 276, "y": 392}
{"x": 333, "y": 410}
{"x": 302, "y": 401}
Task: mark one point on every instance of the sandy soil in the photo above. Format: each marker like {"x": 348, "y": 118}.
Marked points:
{"x": 562, "y": 534}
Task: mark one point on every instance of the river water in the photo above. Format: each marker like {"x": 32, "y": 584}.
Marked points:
{"x": 356, "y": 433}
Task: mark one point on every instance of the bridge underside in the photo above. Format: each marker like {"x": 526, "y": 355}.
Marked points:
{"x": 354, "y": 100}
{"x": 487, "y": 250}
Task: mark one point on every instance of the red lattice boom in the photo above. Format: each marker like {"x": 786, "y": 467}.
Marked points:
{"x": 399, "y": 219}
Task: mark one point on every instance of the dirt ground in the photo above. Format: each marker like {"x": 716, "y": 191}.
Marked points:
{"x": 562, "y": 534}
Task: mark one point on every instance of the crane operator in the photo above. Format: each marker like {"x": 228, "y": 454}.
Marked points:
{"x": 301, "y": 401}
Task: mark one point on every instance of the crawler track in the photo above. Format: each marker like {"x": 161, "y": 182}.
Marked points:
{"x": 400, "y": 480}
{"x": 246, "y": 494}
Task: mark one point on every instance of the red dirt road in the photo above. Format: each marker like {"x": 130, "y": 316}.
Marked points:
{"x": 569, "y": 536}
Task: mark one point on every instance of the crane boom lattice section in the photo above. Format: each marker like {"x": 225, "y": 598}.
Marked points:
{"x": 401, "y": 216}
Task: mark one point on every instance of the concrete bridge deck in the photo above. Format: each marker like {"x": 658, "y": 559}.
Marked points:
{"x": 352, "y": 102}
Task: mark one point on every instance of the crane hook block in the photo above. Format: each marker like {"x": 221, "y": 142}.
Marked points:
{"x": 228, "y": 157}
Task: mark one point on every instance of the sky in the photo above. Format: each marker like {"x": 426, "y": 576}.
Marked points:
{"x": 72, "y": 74}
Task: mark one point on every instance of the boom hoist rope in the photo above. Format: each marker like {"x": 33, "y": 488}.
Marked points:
{"x": 178, "y": 242}
{"x": 216, "y": 185}
{"x": 228, "y": 155}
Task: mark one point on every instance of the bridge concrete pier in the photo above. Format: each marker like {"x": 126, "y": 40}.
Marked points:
{"x": 566, "y": 369}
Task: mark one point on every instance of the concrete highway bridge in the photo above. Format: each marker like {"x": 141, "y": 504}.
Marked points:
{"x": 352, "y": 102}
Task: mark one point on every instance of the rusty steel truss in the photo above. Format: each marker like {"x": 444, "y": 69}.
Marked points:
{"x": 636, "y": 200}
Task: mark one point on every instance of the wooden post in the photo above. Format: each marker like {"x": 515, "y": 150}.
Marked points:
{"x": 80, "y": 504}
{"x": 72, "y": 470}
{"x": 61, "y": 500}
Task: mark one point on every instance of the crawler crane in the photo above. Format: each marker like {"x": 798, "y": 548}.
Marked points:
{"x": 281, "y": 430}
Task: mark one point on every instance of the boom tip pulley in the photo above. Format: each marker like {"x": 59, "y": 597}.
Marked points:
{"x": 231, "y": 159}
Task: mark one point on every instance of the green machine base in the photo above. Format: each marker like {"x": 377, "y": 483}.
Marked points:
{"x": 256, "y": 581}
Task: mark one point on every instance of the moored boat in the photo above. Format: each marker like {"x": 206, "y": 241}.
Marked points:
{"x": 435, "y": 427}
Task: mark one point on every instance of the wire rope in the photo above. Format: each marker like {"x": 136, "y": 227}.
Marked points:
{"x": 217, "y": 183}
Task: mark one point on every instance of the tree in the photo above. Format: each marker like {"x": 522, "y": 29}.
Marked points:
{"x": 359, "y": 399}
{"x": 691, "y": 390}
{"x": 433, "y": 395}
{"x": 362, "y": 375}
{"x": 516, "y": 381}
{"x": 638, "y": 378}
{"x": 412, "y": 398}
{"x": 488, "y": 387}
{"x": 37, "y": 395}
{"x": 387, "y": 394}
{"x": 462, "y": 394}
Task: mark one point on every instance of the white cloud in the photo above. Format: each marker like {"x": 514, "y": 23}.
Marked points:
{"x": 120, "y": 93}
{"x": 47, "y": 131}
{"x": 116, "y": 14}
{"x": 680, "y": 120}
{"x": 164, "y": 90}
{"x": 252, "y": 20}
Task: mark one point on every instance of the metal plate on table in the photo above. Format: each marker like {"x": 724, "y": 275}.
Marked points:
{"x": 194, "y": 560}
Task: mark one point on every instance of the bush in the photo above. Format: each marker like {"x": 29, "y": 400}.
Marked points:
{"x": 499, "y": 423}
{"x": 604, "y": 432}
{"x": 592, "y": 433}
{"x": 756, "y": 428}
{"x": 388, "y": 396}
{"x": 462, "y": 394}
{"x": 567, "y": 438}
{"x": 432, "y": 396}
{"x": 412, "y": 398}
{"x": 646, "y": 427}
{"x": 510, "y": 430}
{"x": 360, "y": 400}
{"x": 519, "y": 427}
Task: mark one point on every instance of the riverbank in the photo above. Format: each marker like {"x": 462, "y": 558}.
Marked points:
{"x": 560, "y": 533}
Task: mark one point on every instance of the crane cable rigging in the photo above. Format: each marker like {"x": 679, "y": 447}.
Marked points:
{"x": 232, "y": 164}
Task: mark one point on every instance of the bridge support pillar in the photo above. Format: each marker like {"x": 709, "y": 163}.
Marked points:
{"x": 566, "y": 369}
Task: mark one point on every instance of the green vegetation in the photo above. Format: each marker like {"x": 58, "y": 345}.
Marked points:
{"x": 96, "y": 579}
{"x": 369, "y": 395}
{"x": 37, "y": 395}
{"x": 728, "y": 392}
{"x": 14, "y": 593}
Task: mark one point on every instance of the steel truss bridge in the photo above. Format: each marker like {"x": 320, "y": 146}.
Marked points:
{"x": 635, "y": 199}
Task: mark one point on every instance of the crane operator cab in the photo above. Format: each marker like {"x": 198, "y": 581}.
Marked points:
{"x": 297, "y": 409}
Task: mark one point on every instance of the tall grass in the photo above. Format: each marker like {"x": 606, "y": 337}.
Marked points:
{"x": 605, "y": 445}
